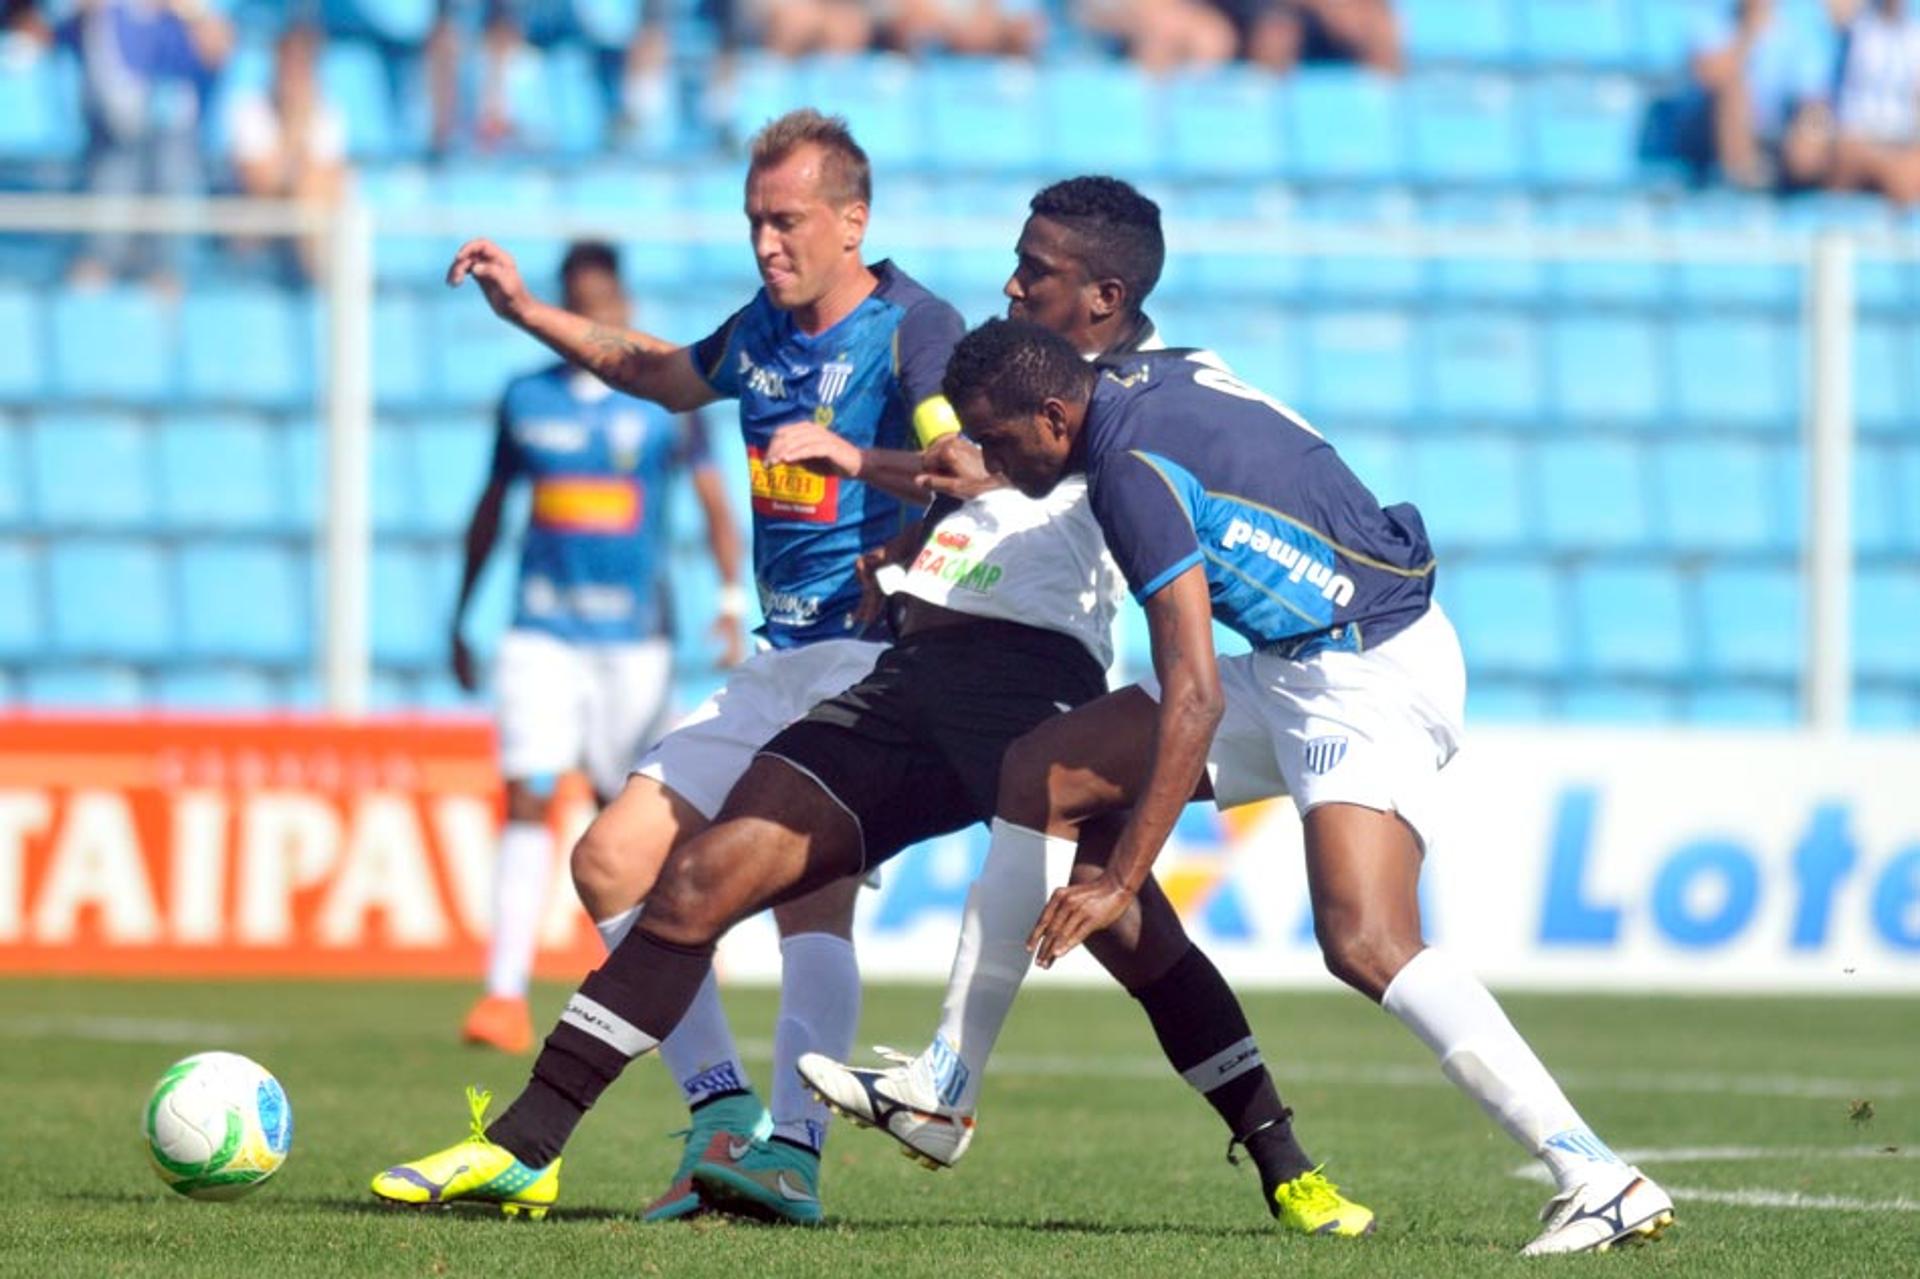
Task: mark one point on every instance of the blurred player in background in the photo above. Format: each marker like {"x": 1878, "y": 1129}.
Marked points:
{"x": 836, "y": 366}
{"x": 583, "y": 678}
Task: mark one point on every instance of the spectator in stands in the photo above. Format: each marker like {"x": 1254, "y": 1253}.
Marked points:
{"x": 20, "y": 21}
{"x": 1877, "y": 106}
{"x": 1280, "y": 34}
{"x": 291, "y": 143}
{"x": 1163, "y": 35}
{"x": 1765, "y": 82}
{"x": 146, "y": 69}
{"x": 981, "y": 28}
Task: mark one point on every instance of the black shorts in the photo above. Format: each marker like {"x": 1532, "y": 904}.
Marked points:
{"x": 913, "y": 750}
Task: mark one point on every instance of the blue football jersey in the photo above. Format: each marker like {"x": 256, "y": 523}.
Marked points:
{"x": 599, "y": 462}
{"x": 1188, "y": 465}
{"x": 865, "y": 377}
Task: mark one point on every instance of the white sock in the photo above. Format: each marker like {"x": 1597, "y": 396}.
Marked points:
{"x": 700, "y": 1053}
{"x": 819, "y": 1012}
{"x": 1485, "y": 1057}
{"x": 520, "y": 876}
{"x": 991, "y": 960}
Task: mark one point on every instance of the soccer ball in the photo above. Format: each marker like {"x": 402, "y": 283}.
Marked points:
{"x": 217, "y": 1125}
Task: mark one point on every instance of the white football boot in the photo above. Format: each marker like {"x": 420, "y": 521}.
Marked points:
{"x": 1618, "y": 1205}
{"x": 902, "y": 1101}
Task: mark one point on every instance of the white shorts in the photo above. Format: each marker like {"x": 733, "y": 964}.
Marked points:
{"x": 1372, "y": 728}
{"x": 702, "y": 758}
{"x": 590, "y": 706}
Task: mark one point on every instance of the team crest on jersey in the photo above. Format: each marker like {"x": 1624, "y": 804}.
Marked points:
{"x": 1325, "y": 753}
{"x": 834, "y": 376}
{"x": 624, "y": 435}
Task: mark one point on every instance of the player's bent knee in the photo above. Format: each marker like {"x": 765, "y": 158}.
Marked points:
{"x": 688, "y": 903}
{"x": 1365, "y": 957}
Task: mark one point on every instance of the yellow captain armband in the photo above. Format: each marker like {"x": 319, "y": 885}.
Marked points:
{"x": 934, "y": 418}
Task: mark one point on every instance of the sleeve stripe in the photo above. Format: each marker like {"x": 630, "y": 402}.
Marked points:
{"x": 933, "y": 419}
{"x": 1167, "y": 575}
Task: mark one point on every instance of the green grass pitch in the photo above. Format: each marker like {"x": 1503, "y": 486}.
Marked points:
{"x": 1092, "y": 1159}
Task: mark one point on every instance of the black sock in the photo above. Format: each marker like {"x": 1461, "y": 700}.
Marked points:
{"x": 1204, "y": 1033}
{"x": 624, "y": 1008}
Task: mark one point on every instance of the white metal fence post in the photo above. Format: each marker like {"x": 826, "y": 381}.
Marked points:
{"x": 1828, "y": 568}
{"x": 346, "y": 652}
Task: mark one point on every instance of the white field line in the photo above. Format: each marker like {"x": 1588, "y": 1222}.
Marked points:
{"x": 1756, "y": 1196}
{"x": 135, "y": 1030}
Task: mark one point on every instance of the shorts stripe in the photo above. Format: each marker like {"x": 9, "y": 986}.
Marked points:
{"x": 1224, "y": 1066}
{"x": 826, "y": 790}
{"x": 609, "y": 1027}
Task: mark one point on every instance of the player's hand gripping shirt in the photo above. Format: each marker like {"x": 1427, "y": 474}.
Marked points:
{"x": 591, "y": 569}
{"x": 875, "y": 379}
{"x": 1188, "y": 465}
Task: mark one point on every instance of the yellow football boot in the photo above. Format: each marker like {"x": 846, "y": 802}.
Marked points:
{"x": 475, "y": 1170}
{"x": 1313, "y": 1205}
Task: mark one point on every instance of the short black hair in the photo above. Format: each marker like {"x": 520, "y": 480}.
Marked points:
{"x": 1017, "y": 366}
{"x": 590, "y": 255}
{"x": 1117, "y": 227}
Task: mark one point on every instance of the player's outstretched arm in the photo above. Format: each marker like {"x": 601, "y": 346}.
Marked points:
{"x": 1180, "y": 626}
{"x": 637, "y": 363}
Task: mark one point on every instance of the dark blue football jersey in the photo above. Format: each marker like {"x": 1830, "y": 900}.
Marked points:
{"x": 1189, "y": 465}
{"x": 866, "y": 377}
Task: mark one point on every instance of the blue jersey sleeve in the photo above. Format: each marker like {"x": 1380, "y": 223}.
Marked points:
{"x": 1146, "y": 519}
{"x": 711, "y": 356}
{"x": 927, "y": 335}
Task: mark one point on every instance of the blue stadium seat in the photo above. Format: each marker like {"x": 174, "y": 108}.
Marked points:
{"x": 215, "y": 688}
{"x": 354, "y": 79}
{"x": 409, "y": 621}
{"x": 765, "y": 87}
{"x": 1104, "y": 117}
{"x": 109, "y": 598}
{"x": 403, "y": 259}
{"x": 577, "y": 110}
{"x": 39, "y": 116}
{"x": 394, "y": 484}
{"x": 1719, "y": 282}
{"x": 1511, "y": 616}
{"x": 1731, "y": 371}
{"x": 1346, "y": 126}
{"x": 1260, "y": 344}
{"x": 1716, "y": 495}
{"x": 1348, "y": 279}
{"x": 631, "y": 194}
{"x": 1471, "y": 491}
{"x": 1886, "y": 618}
{"x": 23, "y": 361}
{"x": 1906, "y": 488}
{"x": 1359, "y": 365}
{"x": 1617, "y": 704}
{"x": 1464, "y": 129}
{"x": 92, "y": 470}
{"x": 1883, "y": 393}
{"x": 247, "y": 346}
{"x": 246, "y": 601}
{"x": 115, "y": 343}
{"x": 1876, "y": 500}
{"x": 1239, "y": 270}
{"x": 608, "y": 24}
{"x": 880, "y": 96}
{"x": 22, "y": 620}
{"x": 1631, "y": 621}
{"x": 222, "y": 472}
{"x": 1582, "y": 33}
{"x": 1379, "y": 459}
{"x": 1493, "y": 278}
{"x": 1506, "y": 701}
{"x": 451, "y": 457}
{"x": 475, "y": 354}
{"x": 1225, "y": 122}
{"x": 1742, "y": 706}
{"x": 16, "y": 506}
{"x": 1584, "y": 132}
{"x": 1667, "y": 30}
{"x": 1606, "y": 369}
{"x": 399, "y": 347}
{"x": 491, "y": 185}
{"x": 984, "y": 115}
{"x": 1882, "y": 709}
{"x": 82, "y": 687}
{"x": 1609, "y": 279}
{"x": 1593, "y": 495}
{"x": 1752, "y": 623}
{"x": 1484, "y": 366}
{"x": 1480, "y": 32}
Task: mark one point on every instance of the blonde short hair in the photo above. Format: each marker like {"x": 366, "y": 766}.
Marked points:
{"x": 845, "y": 177}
